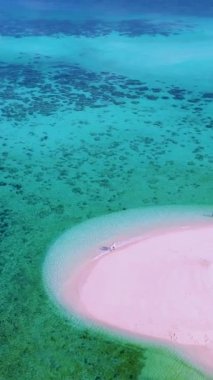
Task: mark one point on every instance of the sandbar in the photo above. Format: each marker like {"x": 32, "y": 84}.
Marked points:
{"x": 160, "y": 286}
{"x": 144, "y": 274}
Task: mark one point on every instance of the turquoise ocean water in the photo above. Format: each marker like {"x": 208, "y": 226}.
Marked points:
{"x": 100, "y": 112}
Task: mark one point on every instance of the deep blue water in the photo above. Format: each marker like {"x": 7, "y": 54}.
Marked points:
{"x": 192, "y": 7}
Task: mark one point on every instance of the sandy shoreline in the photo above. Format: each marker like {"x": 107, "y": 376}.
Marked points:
{"x": 145, "y": 274}
{"x": 158, "y": 286}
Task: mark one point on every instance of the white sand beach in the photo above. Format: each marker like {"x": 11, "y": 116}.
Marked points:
{"x": 160, "y": 287}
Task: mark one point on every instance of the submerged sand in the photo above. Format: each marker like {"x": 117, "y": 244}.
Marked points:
{"x": 157, "y": 286}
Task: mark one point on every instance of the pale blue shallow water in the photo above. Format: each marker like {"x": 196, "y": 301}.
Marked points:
{"x": 102, "y": 109}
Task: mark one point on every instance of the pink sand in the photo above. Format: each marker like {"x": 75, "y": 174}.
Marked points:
{"x": 158, "y": 287}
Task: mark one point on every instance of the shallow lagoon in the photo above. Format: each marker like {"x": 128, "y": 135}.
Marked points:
{"x": 96, "y": 117}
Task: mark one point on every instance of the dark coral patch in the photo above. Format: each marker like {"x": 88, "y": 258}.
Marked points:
{"x": 89, "y": 28}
